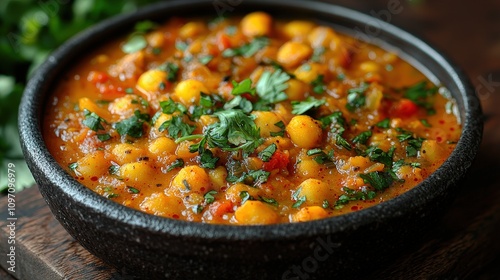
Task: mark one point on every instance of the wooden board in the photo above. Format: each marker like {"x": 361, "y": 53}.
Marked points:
{"x": 464, "y": 245}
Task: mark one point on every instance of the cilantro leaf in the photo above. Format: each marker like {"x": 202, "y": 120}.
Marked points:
{"x": 363, "y": 137}
{"x": 318, "y": 85}
{"x": 271, "y": 86}
{"x": 356, "y": 97}
{"x": 281, "y": 133}
{"x": 207, "y": 159}
{"x": 317, "y": 54}
{"x": 321, "y": 157}
{"x": 239, "y": 102}
{"x": 209, "y": 196}
{"x": 134, "y": 44}
{"x": 353, "y": 195}
{"x": 300, "y": 107}
{"x": 413, "y": 144}
{"x": 92, "y": 120}
{"x": 171, "y": 69}
{"x": 386, "y": 123}
{"x": 420, "y": 93}
{"x": 242, "y": 87}
{"x": 205, "y": 59}
{"x": 177, "y": 127}
{"x": 132, "y": 126}
{"x": 252, "y": 177}
{"x": 298, "y": 200}
{"x": 270, "y": 201}
{"x": 249, "y": 49}
{"x": 377, "y": 179}
{"x": 268, "y": 152}
{"x": 175, "y": 164}
{"x": 170, "y": 106}
{"x": 244, "y": 195}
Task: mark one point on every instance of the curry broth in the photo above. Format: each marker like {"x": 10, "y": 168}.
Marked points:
{"x": 136, "y": 127}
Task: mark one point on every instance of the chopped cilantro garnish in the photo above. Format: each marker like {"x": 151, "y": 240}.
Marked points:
{"x": 356, "y": 97}
{"x": 252, "y": 177}
{"x": 113, "y": 169}
{"x": 413, "y": 144}
{"x": 242, "y": 87}
{"x": 419, "y": 94}
{"x": 209, "y": 197}
{"x": 298, "y": 200}
{"x": 175, "y": 164}
{"x": 244, "y": 195}
{"x": 205, "y": 59}
{"x": 271, "y": 86}
{"x": 281, "y": 133}
{"x": 320, "y": 156}
{"x": 171, "y": 69}
{"x": 325, "y": 204}
{"x": 73, "y": 166}
{"x": 268, "y": 152}
{"x": 353, "y": 195}
{"x": 425, "y": 123}
{"x": 207, "y": 159}
{"x": 239, "y": 102}
{"x": 170, "y": 106}
{"x": 317, "y": 53}
{"x": 134, "y": 44}
{"x": 177, "y": 127}
{"x": 180, "y": 45}
{"x": 386, "y": 123}
{"x": 378, "y": 155}
{"x": 301, "y": 107}
{"x": 267, "y": 200}
{"x": 377, "y": 179}
{"x": 103, "y": 137}
{"x": 132, "y": 190}
{"x": 363, "y": 137}
{"x": 92, "y": 120}
{"x": 318, "y": 84}
{"x": 132, "y": 126}
{"x": 249, "y": 49}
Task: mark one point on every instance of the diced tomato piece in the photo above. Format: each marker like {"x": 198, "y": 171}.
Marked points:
{"x": 219, "y": 208}
{"x": 97, "y": 77}
{"x": 278, "y": 160}
{"x": 404, "y": 108}
{"x": 223, "y": 42}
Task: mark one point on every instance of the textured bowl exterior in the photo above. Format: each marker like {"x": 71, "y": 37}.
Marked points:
{"x": 154, "y": 247}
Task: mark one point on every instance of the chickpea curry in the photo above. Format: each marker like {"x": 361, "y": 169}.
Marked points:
{"x": 247, "y": 121}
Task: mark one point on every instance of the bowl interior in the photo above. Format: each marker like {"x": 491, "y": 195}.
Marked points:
{"x": 361, "y": 26}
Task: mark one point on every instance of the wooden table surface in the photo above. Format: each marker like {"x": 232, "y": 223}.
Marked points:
{"x": 464, "y": 245}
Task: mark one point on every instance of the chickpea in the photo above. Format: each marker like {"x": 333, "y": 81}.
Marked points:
{"x": 233, "y": 193}
{"x": 188, "y": 92}
{"x": 296, "y": 90}
{"x": 298, "y": 28}
{"x": 309, "y": 72}
{"x": 256, "y": 213}
{"x": 162, "y": 146}
{"x": 309, "y": 213}
{"x": 315, "y": 191}
{"x": 126, "y": 153}
{"x": 141, "y": 172}
{"x": 322, "y": 36}
{"x": 191, "y": 179}
{"x": 256, "y": 24}
{"x": 191, "y": 29}
{"x": 265, "y": 122}
{"x": 291, "y": 54}
{"x": 151, "y": 81}
{"x": 92, "y": 165}
{"x": 308, "y": 168}
{"x": 304, "y": 131}
{"x": 162, "y": 205}
{"x": 125, "y": 106}
{"x": 218, "y": 176}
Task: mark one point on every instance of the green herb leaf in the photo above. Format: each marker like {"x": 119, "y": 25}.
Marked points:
{"x": 242, "y": 87}
{"x": 132, "y": 190}
{"x": 252, "y": 177}
{"x": 103, "y": 137}
{"x": 134, "y": 44}
{"x": 425, "y": 123}
{"x": 239, "y": 102}
{"x": 379, "y": 180}
{"x": 180, "y": 45}
{"x": 113, "y": 169}
{"x": 413, "y": 144}
{"x": 207, "y": 159}
{"x": 205, "y": 59}
{"x": 145, "y": 26}
{"x": 271, "y": 86}
{"x": 172, "y": 69}
{"x": 321, "y": 157}
{"x": 209, "y": 197}
{"x": 249, "y": 49}
{"x": 170, "y": 106}
{"x": 356, "y": 97}
{"x": 301, "y": 107}
{"x": 353, "y": 195}
{"x": 73, "y": 166}
{"x": 420, "y": 93}
{"x": 281, "y": 133}
{"x": 363, "y": 137}
{"x": 317, "y": 54}
{"x": 386, "y": 123}
{"x": 244, "y": 195}
{"x": 175, "y": 164}
{"x": 268, "y": 152}
{"x": 132, "y": 126}
{"x": 318, "y": 85}
{"x": 177, "y": 127}
{"x": 92, "y": 120}
{"x": 270, "y": 201}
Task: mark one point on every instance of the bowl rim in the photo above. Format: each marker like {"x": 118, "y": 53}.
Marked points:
{"x": 30, "y": 127}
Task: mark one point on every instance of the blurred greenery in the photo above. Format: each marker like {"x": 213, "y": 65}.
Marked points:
{"x": 30, "y": 30}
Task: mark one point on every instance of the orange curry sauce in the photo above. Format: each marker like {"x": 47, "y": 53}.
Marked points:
{"x": 247, "y": 121}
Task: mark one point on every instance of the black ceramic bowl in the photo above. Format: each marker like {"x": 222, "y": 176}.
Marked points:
{"x": 146, "y": 245}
